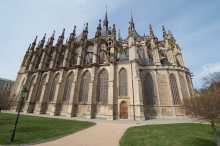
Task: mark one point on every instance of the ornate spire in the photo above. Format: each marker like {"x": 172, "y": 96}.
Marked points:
{"x": 73, "y": 34}
{"x": 105, "y": 22}
{"x": 41, "y": 43}
{"x": 164, "y": 32}
{"x": 86, "y": 28}
{"x": 63, "y": 33}
{"x": 151, "y": 31}
{"x": 114, "y": 31}
{"x": 131, "y": 18}
{"x": 84, "y": 34}
{"x": 50, "y": 40}
{"x": 34, "y": 43}
{"x": 99, "y": 28}
{"x": 61, "y": 37}
{"x": 131, "y": 28}
{"x": 119, "y": 35}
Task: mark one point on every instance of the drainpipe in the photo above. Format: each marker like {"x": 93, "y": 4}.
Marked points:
{"x": 133, "y": 91}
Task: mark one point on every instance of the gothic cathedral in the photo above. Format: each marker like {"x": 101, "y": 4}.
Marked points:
{"x": 107, "y": 76}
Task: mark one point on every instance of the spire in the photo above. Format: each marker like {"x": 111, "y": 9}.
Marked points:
{"x": 131, "y": 19}
{"x": 113, "y": 28}
{"x": 74, "y": 30}
{"x": 50, "y": 40}
{"x": 63, "y": 33}
{"x": 99, "y": 28}
{"x": 86, "y": 28}
{"x": 164, "y": 32}
{"x": 131, "y": 27}
{"x": 151, "y": 31}
{"x": 73, "y": 34}
{"x": 61, "y": 37}
{"x": 119, "y": 35}
{"x": 34, "y": 43}
{"x": 84, "y": 34}
{"x": 114, "y": 31}
{"x": 41, "y": 43}
{"x": 105, "y": 22}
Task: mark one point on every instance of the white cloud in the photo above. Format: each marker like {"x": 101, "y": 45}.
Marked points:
{"x": 204, "y": 71}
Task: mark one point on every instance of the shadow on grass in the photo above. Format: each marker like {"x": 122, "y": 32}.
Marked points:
{"x": 203, "y": 142}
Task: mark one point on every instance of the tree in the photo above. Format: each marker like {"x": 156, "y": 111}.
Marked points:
{"x": 206, "y": 104}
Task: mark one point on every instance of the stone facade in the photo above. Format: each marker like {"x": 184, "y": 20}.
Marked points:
{"x": 139, "y": 77}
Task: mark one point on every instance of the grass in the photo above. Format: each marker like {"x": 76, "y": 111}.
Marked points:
{"x": 37, "y": 129}
{"x": 169, "y": 135}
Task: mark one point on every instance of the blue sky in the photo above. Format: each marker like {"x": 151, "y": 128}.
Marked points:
{"x": 195, "y": 24}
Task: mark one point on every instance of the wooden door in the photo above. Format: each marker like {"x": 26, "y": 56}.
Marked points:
{"x": 123, "y": 110}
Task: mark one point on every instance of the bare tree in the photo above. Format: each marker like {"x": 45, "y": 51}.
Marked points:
{"x": 206, "y": 104}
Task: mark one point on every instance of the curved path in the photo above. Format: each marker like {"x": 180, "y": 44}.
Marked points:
{"x": 105, "y": 133}
{"x": 102, "y": 134}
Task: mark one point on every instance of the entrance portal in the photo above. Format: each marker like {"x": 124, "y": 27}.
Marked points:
{"x": 123, "y": 110}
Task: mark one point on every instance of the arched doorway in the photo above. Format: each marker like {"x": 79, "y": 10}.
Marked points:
{"x": 123, "y": 110}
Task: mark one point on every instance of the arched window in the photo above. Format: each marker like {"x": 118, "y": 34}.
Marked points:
{"x": 31, "y": 88}
{"x": 67, "y": 88}
{"x": 148, "y": 90}
{"x": 123, "y": 85}
{"x": 102, "y": 57}
{"x": 174, "y": 90}
{"x": 53, "y": 87}
{"x": 183, "y": 86}
{"x": 88, "y": 55}
{"x": 102, "y": 87}
{"x": 84, "y": 87}
{"x": 22, "y": 85}
{"x": 42, "y": 83}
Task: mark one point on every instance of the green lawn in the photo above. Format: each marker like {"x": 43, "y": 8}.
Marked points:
{"x": 168, "y": 135}
{"x": 35, "y": 129}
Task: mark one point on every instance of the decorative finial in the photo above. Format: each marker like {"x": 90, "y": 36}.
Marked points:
{"x": 86, "y": 27}
{"x": 41, "y": 43}
{"x": 74, "y": 30}
{"x": 34, "y": 42}
{"x": 131, "y": 15}
{"x": 151, "y": 30}
{"x": 53, "y": 34}
{"x": 164, "y": 31}
{"x": 119, "y": 35}
{"x": 63, "y": 32}
{"x": 98, "y": 31}
{"x": 113, "y": 28}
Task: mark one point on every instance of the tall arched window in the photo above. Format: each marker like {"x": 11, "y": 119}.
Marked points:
{"x": 102, "y": 87}
{"x": 174, "y": 90}
{"x": 54, "y": 87}
{"x": 183, "y": 86}
{"x": 42, "y": 83}
{"x": 123, "y": 85}
{"x": 31, "y": 88}
{"x": 22, "y": 85}
{"x": 148, "y": 90}
{"x": 67, "y": 88}
{"x": 84, "y": 87}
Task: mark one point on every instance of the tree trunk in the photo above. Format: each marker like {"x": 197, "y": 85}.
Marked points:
{"x": 216, "y": 137}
